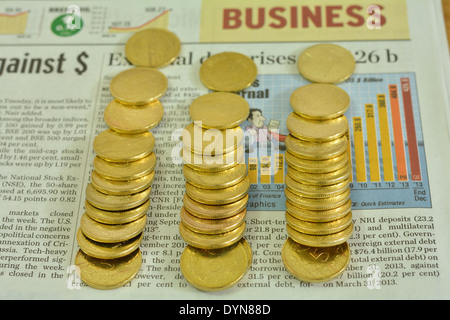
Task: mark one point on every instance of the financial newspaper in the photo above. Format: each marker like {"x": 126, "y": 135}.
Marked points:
{"x": 57, "y": 59}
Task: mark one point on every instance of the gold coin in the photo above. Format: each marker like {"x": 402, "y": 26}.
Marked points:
{"x": 110, "y": 202}
{"x": 326, "y": 63}
{"x": 133, "y": 119}
{"x": 319, "y": 215}
{"x": 318, "y": 228}
{"x": 316, "y": 130}
{"x": 211, "y": 141}
{"x": 248, "y": 250}
{"x": 320, "y": 101}
{"x": 211, "y": 241}
{"x": 213, "y": 163}
{"x": 219, "y": 110}
{"x": 211, "y": 226}
{"x": 102, "y": 250}
{"x": 115, "y": 187}
{"x": 228, "y": 71}
{"x": 111, "y": 233}
{"x": 207, "y": 211}
{"x": 317, "y": 204}
{"x": 215, "y": 180}
{"x": 212, "y": 270}
{"x": 219, "y": 196}
{"x": 317, "y": 166}
{"x": 138, "y": 86}
{"x": 312, "y": 264}
{"x": 116, "y": 217}
{"x": 120, "y": 147}
{"x": 321, "y": 179}
{"x": 124, "y": 171}
{"x": 315, "y": 191}
{"x": 153, "y": 47}
{"x": 327, "y": 240}
{"x": 316, "y": 150}
{"x": 108, "y": 273}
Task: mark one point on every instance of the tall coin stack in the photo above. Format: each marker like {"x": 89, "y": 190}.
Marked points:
{"x": 212, "y": 219}
{"x": 318, "y": 204}
{"x": 118, "y": 195}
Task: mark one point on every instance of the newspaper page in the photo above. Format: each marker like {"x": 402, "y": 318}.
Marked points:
{"x": 54, "y": 86}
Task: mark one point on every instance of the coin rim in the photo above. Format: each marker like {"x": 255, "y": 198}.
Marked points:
{"x": 117, "y": 231}
{"x": 328, "y": 240}
{"x": 197, "y": 161}
{"x": 314, "y": 191}
{"x": 109, "y": 174}
{"x": 206, "y": 71}
{"x": 149, "y": 142}
{"x": 294, "y": 126}
{"x": 318, "y": 228}
{"x": 129, "y": 187}
{"x": 90, "y": 281}
{"x": 296, "y": 162}
{"x": 201, "y": 225}
{"x": 198, "y": 103}
{"x": 230, "y": 284}
{"x": 295, "y": 272}
{"x": 319, "y": 203}
{"x": 167, "y": 61}
{"x": 102, "y": 252}
{"x": 126, "y": 201}
{"x": 236, "y": 206}
{"x": 319, "y": 215}
{"x": 187, "y": 143}
{"x": 208, "y": 182}
{"x": 310, "y": 75}
{"x": 238, "y": 191}
{"x": 341, "y": 142}
{"x": 149, "y": 99}
{"x": 211, "y": 241}
{"x": 121, "y": 122}
{"x": 116, "y": 217}
{"x": 321, "y": 179}
{"x": 326, "y": 116}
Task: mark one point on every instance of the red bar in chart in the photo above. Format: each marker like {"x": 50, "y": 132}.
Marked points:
{"x": 410, "y": 130}
{"x": 402, "y": 172}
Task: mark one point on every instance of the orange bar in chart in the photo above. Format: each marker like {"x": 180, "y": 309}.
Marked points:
{"x": 253, "y": 170}
{"x": 372, "y": 144}
{"x": 386, "y": 153}
{"x": 279, "y": 167}
{"x": 402, "y": 173}
{"x": 265, "y": 169}
{"x": 360, "y": 161}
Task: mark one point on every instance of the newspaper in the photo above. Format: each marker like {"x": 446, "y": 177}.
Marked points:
{"x": 57, "y": 59}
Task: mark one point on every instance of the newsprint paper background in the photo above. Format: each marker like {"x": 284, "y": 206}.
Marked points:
{"x": 54, "y": 86}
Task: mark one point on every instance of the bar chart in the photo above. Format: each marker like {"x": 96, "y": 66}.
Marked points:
{"x": 386, "y": 146}
{"x": 381, "y": 138}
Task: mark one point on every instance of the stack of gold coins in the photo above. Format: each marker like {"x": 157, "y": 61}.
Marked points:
{"x": 212, "y": 219}
{"x": 118, "y": 195}
{"x": 318, "y": 204}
